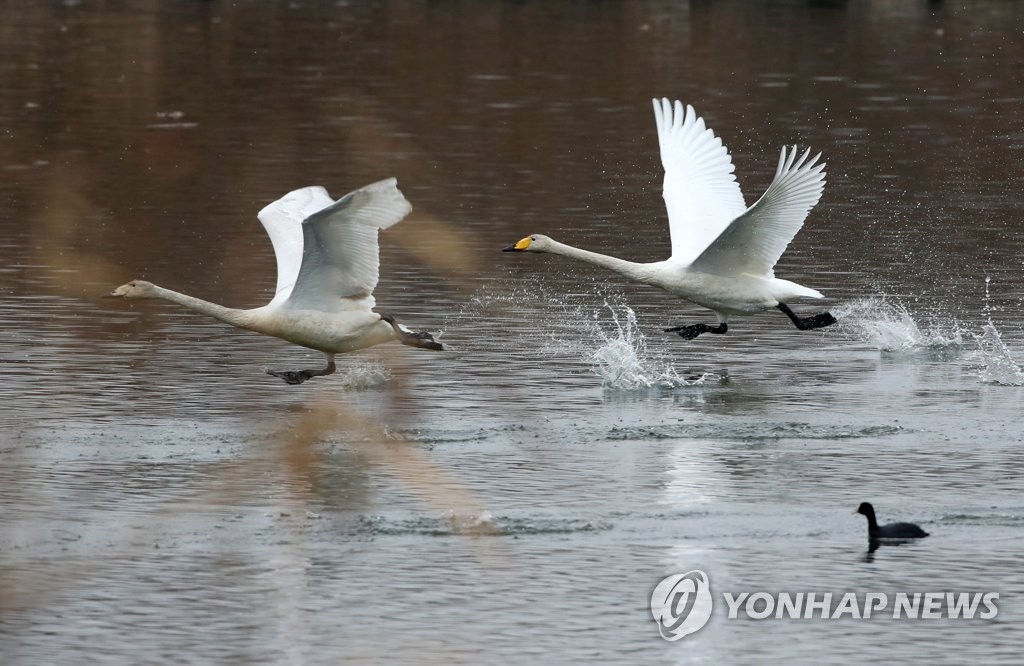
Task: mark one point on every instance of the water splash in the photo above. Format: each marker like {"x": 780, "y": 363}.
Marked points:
{"x": 368, "y": 374}
{"x": 622, "y": 361}
{"x": 995, "y": 363}
{"x": 891, "y": 328}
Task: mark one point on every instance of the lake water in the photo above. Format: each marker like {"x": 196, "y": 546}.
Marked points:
{"x": 518, "y": 498}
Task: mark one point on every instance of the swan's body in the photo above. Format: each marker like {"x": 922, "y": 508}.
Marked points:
{"x": 327, "y": 267}
{"x": 723, "y": 253}
{"x": 890, "y": 530}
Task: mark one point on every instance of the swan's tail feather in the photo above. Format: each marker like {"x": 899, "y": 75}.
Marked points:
{"x": 785, "y": 290}
{"x": 807, "y": 292}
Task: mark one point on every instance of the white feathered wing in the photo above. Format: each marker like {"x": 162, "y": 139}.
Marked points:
{"x": 754, "y": 241}
{"x": 712, "y": 229}
{"x": 700, "y": 190}
{"x": 327, "y": 253}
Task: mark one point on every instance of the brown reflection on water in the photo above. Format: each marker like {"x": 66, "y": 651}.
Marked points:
{"x": 61, "y": 235}
{"x": 292, "y": 464}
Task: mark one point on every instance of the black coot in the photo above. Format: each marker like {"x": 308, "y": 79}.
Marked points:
{"x": 890, "y": 531}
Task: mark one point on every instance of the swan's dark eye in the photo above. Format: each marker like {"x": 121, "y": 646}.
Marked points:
{"x": 533, "y": 238}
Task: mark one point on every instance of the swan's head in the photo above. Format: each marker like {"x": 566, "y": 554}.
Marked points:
{"x": 534, "y": 243}
{"x": 133, "y": 289}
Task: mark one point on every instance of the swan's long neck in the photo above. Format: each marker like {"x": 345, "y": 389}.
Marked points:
{"x": 240, "y": 318}
{"x": 630, "y": 269}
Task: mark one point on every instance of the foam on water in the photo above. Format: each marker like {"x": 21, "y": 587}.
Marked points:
{"x": 753, "y": 431}
{"x": 481, "y": 524}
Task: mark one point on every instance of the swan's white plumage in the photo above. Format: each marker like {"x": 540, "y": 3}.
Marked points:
{"x": 328, "y": 264}
{"x": 754, "y": 241}
{"x": 327, "y": 253}
{"x": 340, "y": 258}
{"x": 700, "y": 190}
{"x": 723, "y": 253}
{"x": 282, "y": 220}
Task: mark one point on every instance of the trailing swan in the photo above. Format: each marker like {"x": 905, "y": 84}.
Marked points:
{"x": 723, "y": 253}
{"x": 327, "y": 267}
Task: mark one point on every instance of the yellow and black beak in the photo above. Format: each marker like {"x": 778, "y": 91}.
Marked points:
{"x": 520, "y": 246}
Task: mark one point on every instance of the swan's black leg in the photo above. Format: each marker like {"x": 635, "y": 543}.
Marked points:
{"x": 299, "y": 376}
{"x": 693, "y": 330}
{"x": 820, "y": 320}
{"x": 420, "y": 339}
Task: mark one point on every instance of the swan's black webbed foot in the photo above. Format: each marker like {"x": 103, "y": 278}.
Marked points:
{"x": 292, "y": 376}
{"x": 820, "y": 320}
{"x": 693, "y": 330}
{"x": 420, "y": 339}
{"x": 300, "y": 376}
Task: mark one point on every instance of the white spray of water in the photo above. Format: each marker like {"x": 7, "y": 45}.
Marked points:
{"x": 995, "y": 362}
{"x": 368, "y": 374}
{"x": 623, "y": 361}
{"x": 891, "y": 328}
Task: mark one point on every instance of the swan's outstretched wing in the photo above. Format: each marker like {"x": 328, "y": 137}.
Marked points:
{"x": 283, "y": 222}
{"x": 340, "y": 259}
{"x": 700, "y": 190}
{"x": 754, "y": 241}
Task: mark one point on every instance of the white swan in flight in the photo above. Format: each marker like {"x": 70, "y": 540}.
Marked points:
{"x": 327, "y": 267}
{"x": 723, "y": 253}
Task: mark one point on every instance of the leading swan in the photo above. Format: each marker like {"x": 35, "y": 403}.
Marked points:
{"x": 723, "y": 253}
{"x": 327, "y": 267}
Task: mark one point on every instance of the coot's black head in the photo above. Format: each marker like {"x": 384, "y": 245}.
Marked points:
{"x": 865, "y": 509}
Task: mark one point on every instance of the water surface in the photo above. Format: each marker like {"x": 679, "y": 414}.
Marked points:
{"x": 518, "y": 498}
